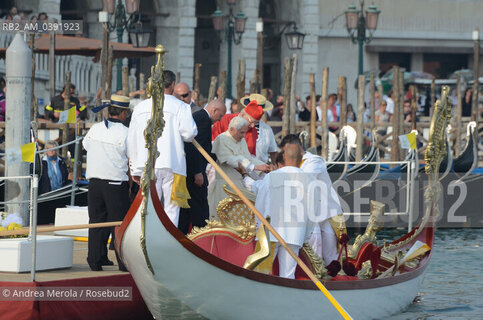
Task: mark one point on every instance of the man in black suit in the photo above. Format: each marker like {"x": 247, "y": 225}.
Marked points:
{"x": 196, "y": 179}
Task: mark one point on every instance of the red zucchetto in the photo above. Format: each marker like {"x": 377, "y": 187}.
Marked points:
{"x": 254, "y": 110}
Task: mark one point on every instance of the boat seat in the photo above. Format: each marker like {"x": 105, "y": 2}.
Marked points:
{"x": 228, "y": 243}
{"x": 232, "y": 211}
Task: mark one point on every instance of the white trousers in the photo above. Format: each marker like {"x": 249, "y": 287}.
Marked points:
{"x": 164, "y": 186}
{"x": 324, "y": 242}
{"x": 286, "y": 264}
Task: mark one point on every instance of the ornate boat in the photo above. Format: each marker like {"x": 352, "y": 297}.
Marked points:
{"x": 468, "y": 160}
{"x": 209, "y": 273}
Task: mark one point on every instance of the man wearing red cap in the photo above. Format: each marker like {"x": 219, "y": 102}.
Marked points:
{"x": 252, "y": 113}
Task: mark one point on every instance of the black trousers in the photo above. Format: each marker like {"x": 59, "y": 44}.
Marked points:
{"x": 199, "y": 210}
{"x": 107, "y": 201}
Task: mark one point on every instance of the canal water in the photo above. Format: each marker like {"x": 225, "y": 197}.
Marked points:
{"x": 453, "y": 284}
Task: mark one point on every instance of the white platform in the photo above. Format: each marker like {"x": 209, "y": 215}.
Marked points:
{"x": 69, "y": 217}
{"x": 52, "y": 253}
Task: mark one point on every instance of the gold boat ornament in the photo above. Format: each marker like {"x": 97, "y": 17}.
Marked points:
{"x": 154, "y": 130}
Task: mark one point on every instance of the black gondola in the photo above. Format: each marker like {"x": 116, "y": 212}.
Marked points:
{"x": 467, "y": 161}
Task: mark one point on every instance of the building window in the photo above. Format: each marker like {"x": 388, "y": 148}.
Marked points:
{"x": 443, "y": 65}
{"x": 389, "y": 59}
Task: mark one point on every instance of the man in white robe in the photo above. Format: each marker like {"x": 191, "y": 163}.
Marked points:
{"x": 283, "y": 195}
{"x": 324, "y": 239}
{"x": 170, "y": 166}
{"x": 231, "y": 150}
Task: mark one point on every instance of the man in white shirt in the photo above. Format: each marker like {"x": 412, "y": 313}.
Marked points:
{"x": 324, "y": 239}
{"x": 283, "y": 195}
{"x": 170, "y": 166}
{"x": 107, "y": 168}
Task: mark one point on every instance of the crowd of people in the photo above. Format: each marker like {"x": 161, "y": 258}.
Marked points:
{"x": 14, "y": 14}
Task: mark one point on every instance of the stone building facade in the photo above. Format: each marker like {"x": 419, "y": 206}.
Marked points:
{"x": 432, "y": 36}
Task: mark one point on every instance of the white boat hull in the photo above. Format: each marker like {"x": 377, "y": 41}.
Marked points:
{"x": 187, "y": 286}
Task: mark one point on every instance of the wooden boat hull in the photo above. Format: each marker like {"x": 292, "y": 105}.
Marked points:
{"x": 188, "y": 281}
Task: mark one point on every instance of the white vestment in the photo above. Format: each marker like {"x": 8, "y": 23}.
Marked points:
{"x": 323, "y": 240}
{"x": 179, "y": 128}
{"x": 265, "y": 142}
{"x": 229, "y": 153}
{"x": 283, "y": 195}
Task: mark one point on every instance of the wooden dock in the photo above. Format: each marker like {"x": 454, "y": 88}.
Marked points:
{"x": 80, "y": 268}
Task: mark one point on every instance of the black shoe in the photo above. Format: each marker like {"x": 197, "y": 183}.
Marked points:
{"x": 95, "y": 267}
{"x": 107, "y": 263}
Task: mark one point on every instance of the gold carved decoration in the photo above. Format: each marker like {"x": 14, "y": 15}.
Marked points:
{"x": 154, "y": 130}
{"x": 212, "y": 227}
{"x": 232, "y": 211}
{"x": 263, "y": 247}
{"x": 316, "y": 261}
{"x": 377, "y": 210}
{"x": 433, "y": 155}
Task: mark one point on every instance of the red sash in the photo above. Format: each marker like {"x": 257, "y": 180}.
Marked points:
{"x": 334, "y": 116}
{"x": 221, "y": 126}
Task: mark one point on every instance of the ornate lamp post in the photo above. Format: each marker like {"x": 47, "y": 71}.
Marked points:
{"x": 132, "y": 24}
{"x": 295, "y": 39}
{"x": 234, "y": 29}
{"x": 357, "y": 23}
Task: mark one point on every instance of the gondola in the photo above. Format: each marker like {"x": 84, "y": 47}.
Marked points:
{"x": 337, "y": 170}
{"x": 204, "y": 275}
{"x": 60, "y": 198}
{"x": 401, "y": 169}
{"x": 468, "y": 160}
{"x": 368, "y": 165}
{"x": 446, "y": 163}
{"x": 50, "y": 201}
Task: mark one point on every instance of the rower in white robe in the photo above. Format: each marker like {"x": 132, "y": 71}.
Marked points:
{"x": 324, "y": 239}
{"x": 231, "y": 150}
{"x": 283, "y": 195}
{"x": 170, "y": 166}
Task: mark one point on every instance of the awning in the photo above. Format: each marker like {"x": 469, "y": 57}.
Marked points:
{"x": 66, "y": 45}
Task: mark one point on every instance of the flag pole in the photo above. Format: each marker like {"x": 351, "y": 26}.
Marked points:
{"x": 33, "y": 216}
{"x": 74, "y": 171}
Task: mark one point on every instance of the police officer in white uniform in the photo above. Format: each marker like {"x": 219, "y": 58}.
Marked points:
{"x": 107, "y": 172}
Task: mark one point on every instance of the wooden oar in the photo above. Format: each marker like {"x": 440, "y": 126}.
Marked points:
{"x": 60, "y": 228}
{"x": 272, "y": 230}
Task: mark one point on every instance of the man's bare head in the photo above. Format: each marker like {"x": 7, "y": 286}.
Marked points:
{"x": 292, "y": 155}
{"x": 183, "y": 92}
{"x": 216, "y": 109}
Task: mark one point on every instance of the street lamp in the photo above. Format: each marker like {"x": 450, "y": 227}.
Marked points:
{"x": 139, "y": 36}
{"x": 357, "y": 24}
{"x": 233, "y": 33}
{"x": 131, "y": 24}
{"x": 295, "y": 39}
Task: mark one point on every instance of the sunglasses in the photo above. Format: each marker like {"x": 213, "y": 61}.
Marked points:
{"x": 185, "y": 95}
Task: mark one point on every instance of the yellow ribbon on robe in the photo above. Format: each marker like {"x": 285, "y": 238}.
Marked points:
{"x": 179, "y": 192}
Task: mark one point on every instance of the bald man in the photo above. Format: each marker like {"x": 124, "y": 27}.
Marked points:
{"x": 196, "y": 179}
{"x": 283, "y": 195}
{"x": 182, "y": 92}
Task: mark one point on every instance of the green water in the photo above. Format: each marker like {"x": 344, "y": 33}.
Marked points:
{"x": 453, "y": 284}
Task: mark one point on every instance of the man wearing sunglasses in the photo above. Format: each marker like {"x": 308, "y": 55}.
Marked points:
{"x": 183, "y": 93}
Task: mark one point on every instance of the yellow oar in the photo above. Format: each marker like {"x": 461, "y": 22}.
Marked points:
{"x": 61, "y": 228}
{"x": 272, "y": 230}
